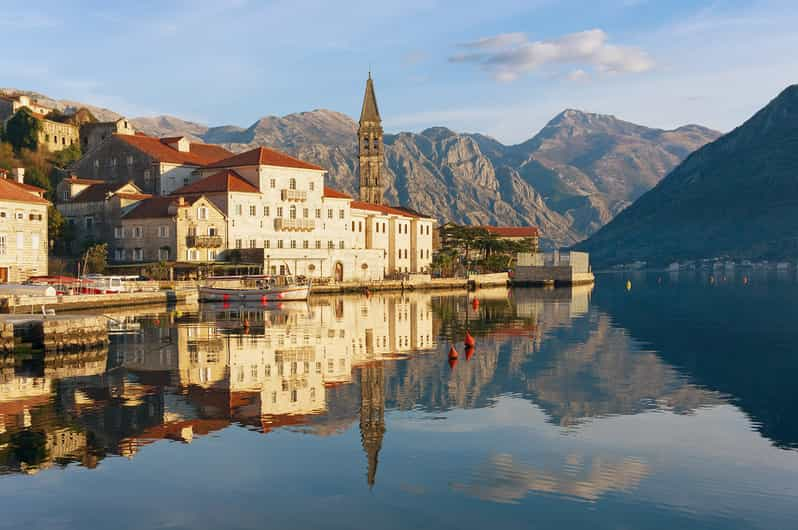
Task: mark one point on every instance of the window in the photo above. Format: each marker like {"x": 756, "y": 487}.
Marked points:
{"x": 265, "y": 211}
{"x": 272, "y": 183}
{"x": 360, "y": 226}
{"x": 146, "y": 175}
{"x": 341, "y": 214}
{"x": 329, "y": 214}
{"x": 330, "y": 244}
{"x": 202, "y": 212}
{"x": 212, "y": 254}
{"x": 129, "y": 160}
{"x": 318, "y": 213}
{"x": 279, "y": 243}
{"x": 340, "y": 244}
{"x": 65, "y": 195}
{"x": 163, "y": 254}
{"x": 253, "y": 210}
{"x": 318, "y": 243}
{"x": 353, "y": 226}
{"x": 253, "y": 243}
{"x": 306, "y": 244}
{"x": 88, "y": 222}
{"x": 267, "y": 243}
{"x": 113, "y": 162}
{"x": 96, "y": 163}
{"x": 138, "y": 232}
{"x": 34, "y": 241}
{"x": 138, "y": 254}
{"x": 192, "y": 254}
{"x": 312, "y": 186}
{"x": 305, "y": 213}
{"x": 239, "y": 209}
{"x": 212, "y": 231}
{"x": 292, "y": 212}
{"x": 119, "y": 254}
{"x": 292, "y": 184}
{"x": 163, "y": 231}
{"x": 293, "y": 243}
{"x": 279, "y": 211}
{"x": 119, "y": 232}
{"x": 238, "y": 243}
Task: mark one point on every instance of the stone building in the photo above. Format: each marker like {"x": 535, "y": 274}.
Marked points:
{"x": 164, "y": 229}
{"x": 517, "y": 233}
{"x": 93, "y": 134}
{"x": 54, "y": 135}
{"x": 370, "y": 148}
{"x": 93, "y": 207}
{"x": 158, "y": 166}
{"x": 23, "y": 229}
{"x": 11, "y": 103}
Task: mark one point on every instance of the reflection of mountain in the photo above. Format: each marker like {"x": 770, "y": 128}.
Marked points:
{"x": 735, "y": 338}
{"x": 341, "y": 363}
{"x": 501, "y": 479}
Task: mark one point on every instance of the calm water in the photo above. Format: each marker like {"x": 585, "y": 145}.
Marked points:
{"x": 670, "y": 405}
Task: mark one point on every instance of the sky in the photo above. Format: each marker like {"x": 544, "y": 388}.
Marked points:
{"x": 502, "y": 68}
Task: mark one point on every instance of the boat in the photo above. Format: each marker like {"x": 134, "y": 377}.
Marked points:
{"x": 261, "y": 289}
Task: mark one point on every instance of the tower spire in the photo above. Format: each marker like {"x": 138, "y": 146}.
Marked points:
{"x": 370, "y": 147}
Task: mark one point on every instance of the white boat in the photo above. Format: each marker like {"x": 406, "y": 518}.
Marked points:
{"x": 260, "y": 289}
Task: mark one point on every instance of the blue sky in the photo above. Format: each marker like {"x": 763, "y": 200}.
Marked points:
{"x": 503, "y": 67}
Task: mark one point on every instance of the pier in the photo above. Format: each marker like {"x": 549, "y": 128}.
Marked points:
{"x": 62, "y": 333}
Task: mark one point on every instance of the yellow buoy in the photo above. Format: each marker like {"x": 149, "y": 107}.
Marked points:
{"x": 628, "y": 285}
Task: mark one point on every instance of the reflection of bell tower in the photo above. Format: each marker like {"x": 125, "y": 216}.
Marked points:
{"x": 370, "y": 152}
{"x": 372, "y": 415}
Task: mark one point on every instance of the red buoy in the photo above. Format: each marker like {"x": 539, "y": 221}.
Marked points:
{"x": 453, "y": 353}
{"x": 475, "y": 303}
{"x": 469, "y": 351}
{"x": 469, "y": 340}
{"x": 452, "y": 363}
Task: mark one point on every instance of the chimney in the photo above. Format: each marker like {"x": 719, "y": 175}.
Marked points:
{"x": 181, "y": 201}
{"x": 19, "y": 174}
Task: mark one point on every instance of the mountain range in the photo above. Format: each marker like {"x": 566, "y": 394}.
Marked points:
{"x": 569, "y": 179}
{"x": 733, "y": 198}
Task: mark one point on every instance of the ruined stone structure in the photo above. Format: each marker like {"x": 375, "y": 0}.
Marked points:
{"x": 370, "y": 149}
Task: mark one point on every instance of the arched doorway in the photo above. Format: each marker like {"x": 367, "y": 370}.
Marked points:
{"x": 339, "y": 271}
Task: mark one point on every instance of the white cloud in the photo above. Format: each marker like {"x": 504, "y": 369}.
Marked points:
{"x": 578, "y": 75}
{"x": 507, "y": 56}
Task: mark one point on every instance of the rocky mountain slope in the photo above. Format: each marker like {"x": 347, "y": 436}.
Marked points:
{"x": 735, "y": 197}
{"x": 570, "y": 179}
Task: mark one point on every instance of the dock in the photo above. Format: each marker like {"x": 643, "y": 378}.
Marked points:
{"x": 60, "y": 333}
{"x": 35, "y": 304}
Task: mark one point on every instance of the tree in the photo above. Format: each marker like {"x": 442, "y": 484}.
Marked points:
{"x": 22, "y": 130}
{"x": 95, "y": 259}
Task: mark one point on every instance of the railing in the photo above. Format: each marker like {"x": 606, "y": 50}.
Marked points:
{"x": 203, "y": 241}
{"x": 281, "y": 223}
{"x": 294, "y": 195}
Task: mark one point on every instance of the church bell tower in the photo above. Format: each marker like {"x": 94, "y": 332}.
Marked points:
{"x": 370, "y": 152}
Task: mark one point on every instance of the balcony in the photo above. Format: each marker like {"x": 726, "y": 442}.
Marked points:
{"x": 281, "y": 223}
{"x": 204, "y": 241}
{"x": 294, "y": 195}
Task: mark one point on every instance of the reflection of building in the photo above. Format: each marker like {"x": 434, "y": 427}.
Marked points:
{"x": 372, "y": 415}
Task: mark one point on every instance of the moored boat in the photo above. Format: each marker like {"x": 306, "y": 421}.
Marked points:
{"x": 260, "y": 289}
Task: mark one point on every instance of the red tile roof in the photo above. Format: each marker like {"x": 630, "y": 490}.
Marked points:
{"x": 512, "y": 231}
{"x": 387, "y": 210}
{"x": 226, "y": 180}
{"x": 11, "y": 191}
{"x": 28, "y": 187}
{"x": 154, "y": 207}
{"x": 76, "y": 180}
{"x": 262, "y": 156}
{"x": 198, "y": 154}
{"x": 96, "y": 192}
{"x": 335, "y": 194}
{"x": 134, "y": 196}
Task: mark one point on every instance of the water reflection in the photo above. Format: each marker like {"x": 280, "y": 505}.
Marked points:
{"x": 578, "y": 377}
